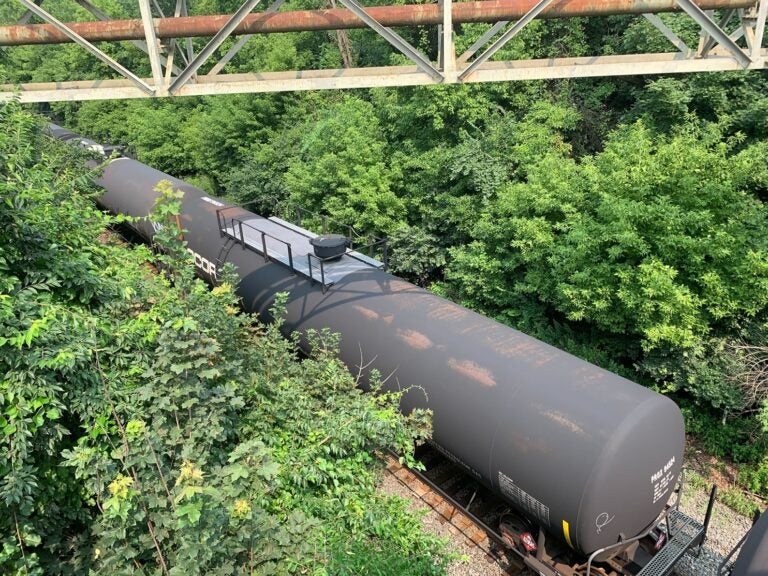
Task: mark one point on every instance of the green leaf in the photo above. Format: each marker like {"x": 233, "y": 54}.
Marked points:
{"x": 191, "y": 511}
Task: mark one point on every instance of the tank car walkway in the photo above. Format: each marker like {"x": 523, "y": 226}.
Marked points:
{"x": 685, "y": 533}
{"x": 290, "y": 245}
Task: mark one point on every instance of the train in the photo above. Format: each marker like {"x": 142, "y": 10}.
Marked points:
{"x": 586, "y": 459}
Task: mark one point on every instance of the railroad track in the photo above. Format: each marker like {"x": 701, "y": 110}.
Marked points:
{"x": 460, "y": 501}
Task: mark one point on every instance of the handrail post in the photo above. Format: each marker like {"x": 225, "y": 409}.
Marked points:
{"x": 290, "y": 259}
{"x": 322, "y": 274}
{"x": 240, "y": 226}
{"x": 309, "y": 265}
{"x": 708, "y": 516}
{"x": 264, "y": 246}
{"x": 218, "y": 222}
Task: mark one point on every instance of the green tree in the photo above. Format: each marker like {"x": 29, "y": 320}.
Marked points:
{"x": 341, "y": 169}
{"x": 654, "y": 242}
{"x": 416, "y": 254}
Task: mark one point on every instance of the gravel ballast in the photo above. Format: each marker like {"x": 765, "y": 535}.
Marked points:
{"x": 726, "y": 528}
{"x": 473, "y": 561}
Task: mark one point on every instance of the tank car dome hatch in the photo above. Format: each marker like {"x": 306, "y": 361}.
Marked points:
{"x": 329, "y": 246}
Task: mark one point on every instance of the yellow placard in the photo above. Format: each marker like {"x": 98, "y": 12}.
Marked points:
{"x": 567, "y": 533}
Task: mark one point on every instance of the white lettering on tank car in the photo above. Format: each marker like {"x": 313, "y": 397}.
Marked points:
{"x": 524, "y": 501}
{"x": 662, "y": 480}
{"x": 456, "y": 460}
{"x": 203, "y": 264}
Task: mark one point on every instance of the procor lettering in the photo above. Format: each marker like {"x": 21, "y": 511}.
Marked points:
{"x": 203, "y": 263}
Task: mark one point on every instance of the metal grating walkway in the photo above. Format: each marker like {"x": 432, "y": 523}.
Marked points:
{"x": 289, "y": 244}
{"x": 685, "y": 533}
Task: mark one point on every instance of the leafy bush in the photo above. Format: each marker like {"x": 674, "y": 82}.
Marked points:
{"x": 736, "y": 438}
{"x": 653, "y": 243}
{"x": 415, "y": 254}
{"x": 755, "y": 478}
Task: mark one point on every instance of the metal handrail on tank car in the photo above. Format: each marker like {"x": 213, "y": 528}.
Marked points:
{"x": 324, "y": 220}
{"x": 264, "y": 236}
{"x": 222, "y": 223}
{"x": 384, "y": 250}
{"x": 351, "y": 233}
{"x": 332, "y": 258}
{"x": 220, "y": 219}
{"x": 322, "y": 269}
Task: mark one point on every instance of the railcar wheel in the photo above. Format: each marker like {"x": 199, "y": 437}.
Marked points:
{"x": 512, "y": 528}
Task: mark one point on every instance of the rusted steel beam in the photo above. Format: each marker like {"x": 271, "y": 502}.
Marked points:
{"x": 340, "y": 19}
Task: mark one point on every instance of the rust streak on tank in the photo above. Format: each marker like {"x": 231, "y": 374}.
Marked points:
{"x": 367, "y": 312}
{"x": 340, "y": 19}
{"x": 473, "y": 371}
{"x": 415, "y": 339}
{"x": 503, "y": 342}
{"x": 562, "y": 419}
{"x": 447, "y": 311}
{"x": 373, "y": 315}
{"x": 401, "y": 286}
{"x": 526, "y": 444}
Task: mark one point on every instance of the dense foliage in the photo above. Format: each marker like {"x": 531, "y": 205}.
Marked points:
{"x": 622, "y": 219}
{"x": 149, "y": 427}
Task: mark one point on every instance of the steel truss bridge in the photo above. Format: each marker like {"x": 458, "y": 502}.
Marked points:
{"x": 731, "y": 38}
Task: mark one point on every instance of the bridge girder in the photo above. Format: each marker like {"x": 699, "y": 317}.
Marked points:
{"x": 175, "y": 67}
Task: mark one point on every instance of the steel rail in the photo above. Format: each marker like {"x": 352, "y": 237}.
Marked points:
{"x": 341, "y": 19}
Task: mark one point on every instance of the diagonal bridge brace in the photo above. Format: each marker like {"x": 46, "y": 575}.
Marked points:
{"x": 213, "y": 45}
{"x": 240, "y": 43}
{"x": 762, "y": 15}
{"x": 707, "y": 42}
{"x": 394, "y": 39}
{"x": 717, "y": 33}
{"x": 506, "y": 37}
{"x": 104, "y": 17}
{"x": 153, "y": 46}
{"x": 75, "y": 37}
{"x": 668, "y": 33}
